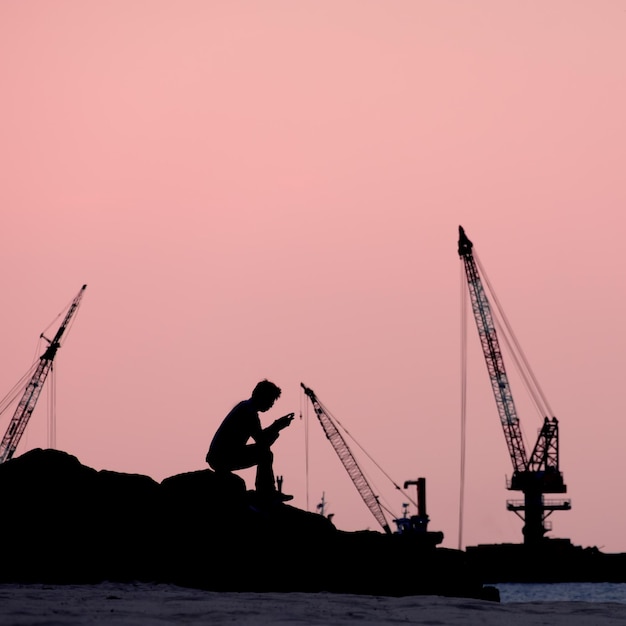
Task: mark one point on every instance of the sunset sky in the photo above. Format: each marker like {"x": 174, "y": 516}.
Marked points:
{"x": 273, "y": 190}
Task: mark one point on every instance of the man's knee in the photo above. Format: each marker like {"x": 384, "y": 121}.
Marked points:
{"x": 218, "y": 464}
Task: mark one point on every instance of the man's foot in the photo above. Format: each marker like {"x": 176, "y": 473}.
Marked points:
{"x": 282, "y": 497}
{"x": 273, "y": 497}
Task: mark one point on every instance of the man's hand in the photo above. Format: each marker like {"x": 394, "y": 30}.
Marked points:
{"x": 283, "y": 422}
{"x": 270, "y": 434}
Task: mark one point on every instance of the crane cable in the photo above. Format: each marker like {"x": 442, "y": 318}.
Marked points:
{"x": 52, "y": 395}
{"x": 52, "y": 409}
{"x": 368, "y": 455}
{"x": 515, "y": 351}
{"x": 17, "y": 389}
{"x": 63, "y": 311}
{"x": 306, "y": 446}
{"x": 463, "y": 300}
{"x": 342, "y": 428}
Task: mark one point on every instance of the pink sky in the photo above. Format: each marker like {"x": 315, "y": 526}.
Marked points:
{"x": 274, "y": 189}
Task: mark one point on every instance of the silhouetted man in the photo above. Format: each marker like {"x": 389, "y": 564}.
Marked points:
{"x": 231, "y": 451}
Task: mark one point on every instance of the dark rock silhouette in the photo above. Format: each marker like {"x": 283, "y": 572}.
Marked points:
{"x": 63, "y": 522}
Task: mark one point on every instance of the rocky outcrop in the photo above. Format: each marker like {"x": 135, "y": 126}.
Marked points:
{"x": 63, "y": 522}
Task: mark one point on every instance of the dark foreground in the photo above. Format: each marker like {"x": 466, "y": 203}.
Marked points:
{"x": 142, "y": 604}
{"x": 69, "y": 524}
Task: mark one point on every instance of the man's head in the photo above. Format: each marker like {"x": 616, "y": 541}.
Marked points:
{"x": 265, "y": 394}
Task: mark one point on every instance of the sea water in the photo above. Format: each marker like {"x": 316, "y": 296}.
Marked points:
{"x": 562, "y": 592}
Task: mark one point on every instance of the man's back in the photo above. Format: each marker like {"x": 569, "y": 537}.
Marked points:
{"x": 235, "y": 430}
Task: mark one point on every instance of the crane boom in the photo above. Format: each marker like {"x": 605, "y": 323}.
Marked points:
{"x": 540, "y": 473}
{"x": 25, "y": 408}
{"x": 493, "y": 356}
{"x": 348, "y": 460}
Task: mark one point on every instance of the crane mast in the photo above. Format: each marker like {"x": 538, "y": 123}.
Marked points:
{"x": 540, "y": 473}
{"x": 25, "y": 408}
{"x": 346, "y": 457}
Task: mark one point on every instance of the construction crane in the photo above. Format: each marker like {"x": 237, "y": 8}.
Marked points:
{"x": 25, "y": 408}
{"x": 535, "y": 475}
{"x": 347, "y": 458}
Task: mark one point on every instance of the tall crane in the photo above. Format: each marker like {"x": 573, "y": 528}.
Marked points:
{"x": 535, "y": 475}
{"x": 29, "y": 399}
{"x": 347, "y": 458}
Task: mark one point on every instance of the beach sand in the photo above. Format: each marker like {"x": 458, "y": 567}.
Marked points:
{"x": 154, "y": 604}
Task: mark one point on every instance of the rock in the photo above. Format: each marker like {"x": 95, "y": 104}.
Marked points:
{"x": 64, "y": 522}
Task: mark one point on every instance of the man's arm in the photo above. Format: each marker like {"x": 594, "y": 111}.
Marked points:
{"x": 270, "y": 434}
{"x": 284, "y": 421}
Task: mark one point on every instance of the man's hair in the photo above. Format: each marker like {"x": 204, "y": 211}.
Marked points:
{"x": 266, "y": 390}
